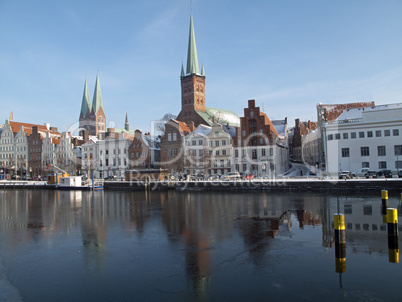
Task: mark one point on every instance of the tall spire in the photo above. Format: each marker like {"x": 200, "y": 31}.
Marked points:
{"x": 192, "y": 57}
{"x": 126, "y": 125}
{"x": 97, "y": 100}
{"x": 86, "y": 104}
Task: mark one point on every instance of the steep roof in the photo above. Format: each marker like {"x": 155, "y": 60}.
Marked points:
{"x": 192, "y": 57}
{"x": 97, "y": 100}
{"x": 267, "y": 121}
{"x": 182, "y": 126}
{"x": 15, "y": 127}
{"x": 86, "y": 104}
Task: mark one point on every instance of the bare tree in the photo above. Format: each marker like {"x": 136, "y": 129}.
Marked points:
{"x": 160, "y": 124}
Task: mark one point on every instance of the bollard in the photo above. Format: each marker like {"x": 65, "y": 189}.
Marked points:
{"x": 339, "y": 220}
{"x": 392, "y": 225}
{"x": 392, "y": 222}
{"x": 384, "y": 205}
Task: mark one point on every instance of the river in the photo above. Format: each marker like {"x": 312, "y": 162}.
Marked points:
{"x": 194, "y": 246}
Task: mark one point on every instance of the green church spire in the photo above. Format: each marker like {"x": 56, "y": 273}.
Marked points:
{"x": 86, "y": 105}
{"x": 182, "y": 71}
{"x": 97, "y": 100}
{"x": 192, "y": 58}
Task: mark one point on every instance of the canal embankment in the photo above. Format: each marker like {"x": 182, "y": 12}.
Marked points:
{"x": 278, "y": 184}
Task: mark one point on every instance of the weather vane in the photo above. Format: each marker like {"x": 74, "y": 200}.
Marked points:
{"x": 191, "y": 5}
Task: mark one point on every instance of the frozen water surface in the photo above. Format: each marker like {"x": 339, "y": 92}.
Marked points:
{"x": 200, "y": 246}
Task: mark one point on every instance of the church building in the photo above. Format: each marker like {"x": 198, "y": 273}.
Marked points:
{"x": 193, "y": 102}
{"x": 93, "y": 117}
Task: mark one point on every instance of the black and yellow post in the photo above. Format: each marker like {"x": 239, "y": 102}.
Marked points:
{"x": 384, "y": 205}
{"x": 340, "y": 245}
{"x": 392, "y": 225}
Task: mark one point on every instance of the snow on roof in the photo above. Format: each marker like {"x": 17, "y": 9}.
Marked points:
{"x": 202, "y": 130}
{"x": 280, "y": 127}
{"x": 230, "y": 130}
{"x": 357, "y": 113}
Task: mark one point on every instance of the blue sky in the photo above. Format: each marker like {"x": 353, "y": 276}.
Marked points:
{"x": 287, "y": 55}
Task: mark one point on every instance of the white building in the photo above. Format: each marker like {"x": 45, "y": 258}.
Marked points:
{"x": 369, "y": 137}
{"x": 195, "y": 159}
{"x": 220, "y": 149}
{"x": 108, "y": 157}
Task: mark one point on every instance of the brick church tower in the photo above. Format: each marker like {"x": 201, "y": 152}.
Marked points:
{"x": 192, "y": 85}
{"x": 93, "y": 117}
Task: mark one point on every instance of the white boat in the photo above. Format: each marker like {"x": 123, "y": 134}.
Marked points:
{"x": 78, "y": 183}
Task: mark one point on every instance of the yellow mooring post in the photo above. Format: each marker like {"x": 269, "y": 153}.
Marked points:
{"x": 384, "y": 205}
{"x": 340, "y": 243}
{"x": 392, "y": 225}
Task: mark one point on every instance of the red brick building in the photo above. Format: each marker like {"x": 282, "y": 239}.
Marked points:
{"x": 144, "y": 151}
{"x": 172, "y": 145}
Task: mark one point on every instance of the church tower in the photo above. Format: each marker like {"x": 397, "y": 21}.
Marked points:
{"x": 192, "y": 84}
{"x": 97, "y": 116}
{"x": 126, "y": 124}
{"x": 93, "y": 117}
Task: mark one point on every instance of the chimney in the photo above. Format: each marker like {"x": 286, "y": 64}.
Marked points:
{"x": 86, "y": 135}
{"x": 54, "y": 129}
{"x": 297, "y": 123}
{"x": 213, "y": 119}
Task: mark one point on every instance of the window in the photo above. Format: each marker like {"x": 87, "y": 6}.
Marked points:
{"x": 345, "y": 152}
{"x": 337, "y": 136}
{"x": 193, "y": 142}
{"x": 169, "y": 137}
{"x": 381, "y": 150}
{"x": 353, "y": 134}
{"x": 216, "y": 143}
{"x": 254, "y": 153}
{"x": 398, "y": 149}
{"x": 217, "y": 153}
{"x": 223, "y": 142}
{"x": 345, "y": 136}
{"x": 369, "y": 133}
{"x": 222, "y": 162}
{"x": 236, "y": 153}
{"x": 216, "y": 133}
{"x": 364, "y": 151}
{"x": 228, "y": 163}
{"x": 378, "y": 133}
{"x": 223, "y": 152}
{"x": 251, "y": 113}
{"x": 395, "y": 132}
{"x": 271, "y": 151}
{"x": 174, "y": 136}
{"x": 382, "y": 165}
{"x": 244, "y": 167}
{"x": 215, "y": 163}
{"x": 262, "y": 152}
{"x": 237, "y": 167}
{"x": 387, "y": 132}
{"x": 330, "y": 137}
{"x": 244, "y": 132}
{"x": 361, "y": 134}
{"x": 200, "y": 142}
{"x": 365, "y": 164}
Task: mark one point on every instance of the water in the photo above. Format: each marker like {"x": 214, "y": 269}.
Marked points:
{"x": 200, "y": 246}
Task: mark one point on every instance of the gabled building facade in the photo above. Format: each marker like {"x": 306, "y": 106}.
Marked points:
{"x": 173, "y": 146}
{"x": 144, "y": 151}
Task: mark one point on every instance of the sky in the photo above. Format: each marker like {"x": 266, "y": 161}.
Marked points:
{"x": 288, "y": 55}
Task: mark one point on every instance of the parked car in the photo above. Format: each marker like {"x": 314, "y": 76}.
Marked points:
{"x": 361, "y": 172}
{"x": 400, "y": 173}
{"x": 345, "y": 175}
{"x": 232, "y": 176}
{"x": 371, "y": 174}
{"x": 16, "y": 177}
{"x": 385, "y": 173}
{"x": 248, "y": 176}
{"x": 214, "y": 177}
{"x": 111, "y": 177}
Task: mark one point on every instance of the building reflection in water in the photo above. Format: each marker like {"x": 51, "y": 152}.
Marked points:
{"x": 195, "y": 223}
